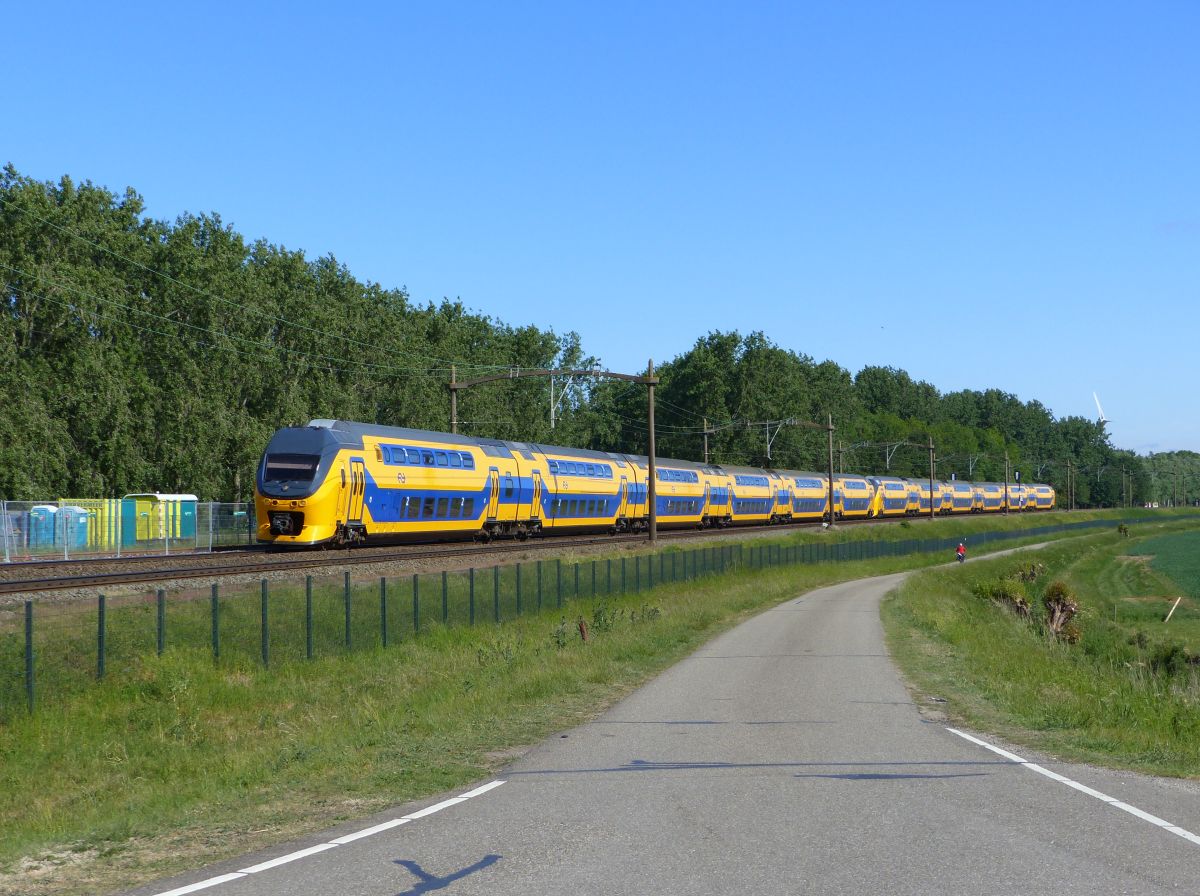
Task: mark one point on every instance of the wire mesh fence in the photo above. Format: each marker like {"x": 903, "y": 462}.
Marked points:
{"x": 53, "y": 649}
{"x": 116, "y": 527}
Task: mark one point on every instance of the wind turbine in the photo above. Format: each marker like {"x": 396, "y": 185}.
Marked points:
{"x": 1103, "y": 419}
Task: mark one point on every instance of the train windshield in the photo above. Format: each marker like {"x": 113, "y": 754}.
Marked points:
{"x": 291, "y": 467}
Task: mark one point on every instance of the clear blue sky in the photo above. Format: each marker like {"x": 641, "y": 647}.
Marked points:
{"x": 985, "y": 195}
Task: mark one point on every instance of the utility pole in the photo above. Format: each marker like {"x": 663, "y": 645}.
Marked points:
{"x": 706, "y": 441}
{"x": 1175, "y": 490}
{"x": 552, "y": 402}
{"x": 930, "y": 476}
{"x": 650, "y": 381}
{"x": 453, "y": 402}
{"x": 1006, "y": 483}
{"x": 832, "y": 512}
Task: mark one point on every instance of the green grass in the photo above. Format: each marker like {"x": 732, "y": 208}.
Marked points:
{"x": 176, "y": 760}
{"x": 1126, "y": 694}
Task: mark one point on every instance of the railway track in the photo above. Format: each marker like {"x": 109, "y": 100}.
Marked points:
{"x": 33, "y": 577}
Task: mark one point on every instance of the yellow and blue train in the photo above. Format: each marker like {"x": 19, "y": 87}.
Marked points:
{"x": 339, "y": 482}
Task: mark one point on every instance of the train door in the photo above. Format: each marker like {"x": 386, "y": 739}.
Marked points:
{"x": 358, "y": 482}
{"x": 623, "y": 511}
{"x": 343, "y": 504}
{"x": 494, "y": 500}
{"x": 535, "y": 506}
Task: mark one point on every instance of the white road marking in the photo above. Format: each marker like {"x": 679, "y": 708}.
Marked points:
{"x": 321, "y": 847}
{"x": 1083, "y": 788}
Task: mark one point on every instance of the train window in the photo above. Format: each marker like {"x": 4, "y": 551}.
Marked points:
{"x": 443, "y": 508}
{"x": 591, "y": 508}
{"x": 291, "y": 467}
{"x": 455, "y": 459}
{"x": 414, "y": 508}
{"x": 441, "y": 458}
{"x": 414, "y": 456}
{"x": 508, "y": 486}
{"x": 468, "y": 461}
{"x": 469, "y": 509}
{"x": 427, "y": 509}
{"x": 427, "y": 458}
{"x": 552, "y": 466}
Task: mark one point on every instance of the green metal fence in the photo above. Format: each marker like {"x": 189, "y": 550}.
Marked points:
{"x": 49, "y": 649}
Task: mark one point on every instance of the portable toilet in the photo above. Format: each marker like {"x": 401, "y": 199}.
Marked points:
{"x": 155, "y": 516}
{"x": 75, "y": 527}
{"x": 42, "y": 519}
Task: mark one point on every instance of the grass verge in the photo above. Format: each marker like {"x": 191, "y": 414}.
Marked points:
{"x": 177, "y": 761}
{"x": 1120, "y": 688}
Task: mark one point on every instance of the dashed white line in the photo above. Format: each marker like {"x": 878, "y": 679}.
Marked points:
{"x": 321, "y": 847}
{"x": 1083, "y": 788}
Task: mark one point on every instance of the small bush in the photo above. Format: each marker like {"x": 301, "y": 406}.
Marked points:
{"x": 1061, "y": 607}
{"x": 1171, "y": 658}
{"x": 1006, "y": 593}
{"x": 604, "y": 617}
{"x": 1030, "y": 572}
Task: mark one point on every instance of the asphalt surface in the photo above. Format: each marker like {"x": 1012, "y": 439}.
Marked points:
{"x": 784, "y": 757}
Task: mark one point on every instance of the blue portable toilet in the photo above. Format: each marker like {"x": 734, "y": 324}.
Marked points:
{"x": 42, "y": 518}
{"x": 75, "y": 527}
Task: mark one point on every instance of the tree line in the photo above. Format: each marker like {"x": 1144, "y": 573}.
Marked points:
{"x": 145, "y": 355}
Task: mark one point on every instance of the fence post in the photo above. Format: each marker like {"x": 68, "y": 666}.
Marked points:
{"x": 575, "y": 593}
{"x": 416, "y": 603}
{"x": 4, "y": 530}
{"x": 593, "y": 578}
{"x": 445, "y": 598}
{"x": 265, "y": 629}
{"x": 308, "y": 617}
{"x": 100, "y": 639}
{"x": 29, "y": 654}
{"x": 622, "y": 576}
{"x": 346, "y": 601}
{"x": 383, "y": 632}
{"x": 216, "y": 621}
{"x": 162, "y": 621}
